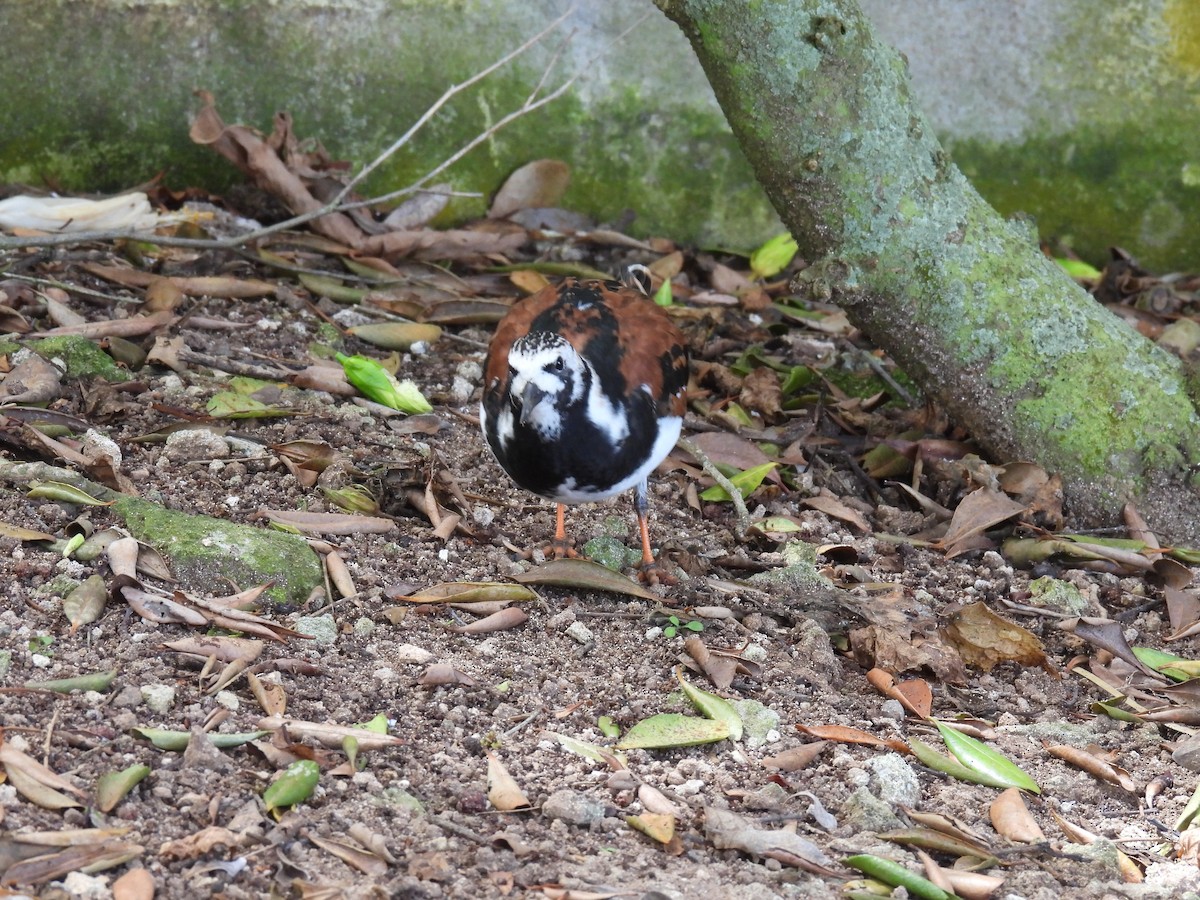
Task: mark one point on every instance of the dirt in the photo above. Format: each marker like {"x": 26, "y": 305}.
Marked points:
{"x": 580, "y": 656}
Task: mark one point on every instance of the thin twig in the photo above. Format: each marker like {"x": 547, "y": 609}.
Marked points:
{"x": 336, "y": 204}
{"x": 739, "y": 502}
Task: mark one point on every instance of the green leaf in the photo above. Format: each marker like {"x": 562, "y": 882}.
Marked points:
{"x": 608, "y": 727}
{"x": 773, "y": 257}
{"x": 1161, "y": 661}
{"x": 1190, "y": 811}
{"x": 894, "y": 874}
{"x": 663, "y": 296}
{"x": 716, "y": 708}
{"x": 295, "y": 785}
{"x": 65, "y": 493}
{"x": 378, "y": 384}
{"x": 376, "y": 725}
{"x": 178, "y": 740}
{"x": 746, "y": 482}
{"x": 96, "y": 681}
{"x": 1077, "y": 268}
{"x": 112, "y": 788}
{"x": 580, "y": 748}
{"x": 333, "y": 288}
{"x": 396, "y": 335}
{"x": 984, "y": 760}
{"x": 673, "y": 730}
{"x": 234, "y": 405}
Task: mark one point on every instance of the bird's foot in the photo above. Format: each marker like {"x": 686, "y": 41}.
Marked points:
{"x": 654, "y": 572}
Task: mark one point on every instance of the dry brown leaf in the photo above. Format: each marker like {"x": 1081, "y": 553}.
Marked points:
{"x": 271, "y": 696}
{"x": 827, "y": 503}
{"x": 727, "y": 830}
{"x": 796, "y": 758}
{"x": 444, "y": 673}
{"x": 32, "y": 381}
{"x": 355, "y": 857}
{"x": 201, "y": 843}
{"x": 329, "y": 735}
{"x": 503, "y": 792}
{"x": 980, "y": 510}
{"x": 507, "y": 618}
{"x": 845, "y": 734}
{"x": 35, "y": 782}
{"x": 901, "y": 647}
{"x": 537, "y": 184}
{"x": 1011, "y": 818}
{"x": 225, "y": 649}
{"x": 984, "y": 640}
{"x": 719, "y": 669}
{"x": 328, "y": 523}
{"x": 762, "y": 392}
{"x": 91, "y": 857}
{"x": 1110, "y": 636}
{"x": 914, "y": 695}
{"x": 1093, "y": 765}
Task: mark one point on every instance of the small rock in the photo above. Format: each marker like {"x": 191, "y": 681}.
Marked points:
{"x": 863, "y": 811}
{"x": 573, "y": 808}
{"x": 195, "y": 443}
{"x": 322, "y": 629}
{"x": 86, "y": 887}
{"x": 159, "y": 697}
{"x": 892, "y": 709}
{"x": 580, "y": 633}
{"x": 411, "y": 653}
{"x": 228, "y": 699}
{"x": 621, "y": 781}
{"x": 893, "y": 780}
{"x": 363, "y": 627}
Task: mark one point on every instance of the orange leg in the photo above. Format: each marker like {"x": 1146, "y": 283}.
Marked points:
{"x": 561, "y": 547}
{"x": 650, "y": 571}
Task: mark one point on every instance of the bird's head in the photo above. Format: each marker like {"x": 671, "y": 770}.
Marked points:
{"x": 547, "y": 377}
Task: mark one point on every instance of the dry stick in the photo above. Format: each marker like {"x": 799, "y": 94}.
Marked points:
{"x": 335, "y": 205}
{"x": 739, "y": 503}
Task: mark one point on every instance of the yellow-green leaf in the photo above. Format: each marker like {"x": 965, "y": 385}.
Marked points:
{"x": 66, "y": 493}
{"x": 773, "y": 257}
{"x": 178, "y": 740}
{"x": 1077, "y": 268}
{"x": 673, "y": 730}
{"x": 663, "y": 296}
{"x": 984, "y": 760}
{"x": 378, "y": 384}
{"x": 716, "y": 708}
{"x": 746, "y": 482}
{"x": 893, "y": 874}
{"x": 295, "y": 785}
{"x": 96, "y": 681}
{"x": 234, "y": 405}
{"x": 396, "y": 335}
{"x": 112, "y": 788}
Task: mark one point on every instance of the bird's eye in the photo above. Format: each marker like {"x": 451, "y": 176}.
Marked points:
{"x": 558, "y": 364}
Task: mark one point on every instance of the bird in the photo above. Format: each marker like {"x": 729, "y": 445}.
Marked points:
{"x": 585, "y": 388}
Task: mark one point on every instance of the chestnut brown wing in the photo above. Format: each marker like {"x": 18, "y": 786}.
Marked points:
{"x": 652, "y": 350}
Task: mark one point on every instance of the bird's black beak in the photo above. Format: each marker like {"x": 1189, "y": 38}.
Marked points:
{"x": 530, "y": 398}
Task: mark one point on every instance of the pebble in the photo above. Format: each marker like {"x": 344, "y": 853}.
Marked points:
{"x": 159, "y": 697}
{"x": 411, "y": 653}
{"x": 322, "y": 629}
{"x": 573, "y": 808}
{"x": 580, "y": 633}
{"x": 893, "y": 780}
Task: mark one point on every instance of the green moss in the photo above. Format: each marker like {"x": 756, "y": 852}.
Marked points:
{"x": 1098, "y": 186}
{"x": 81, "y": 356}
{"x": 206, "y": 552}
